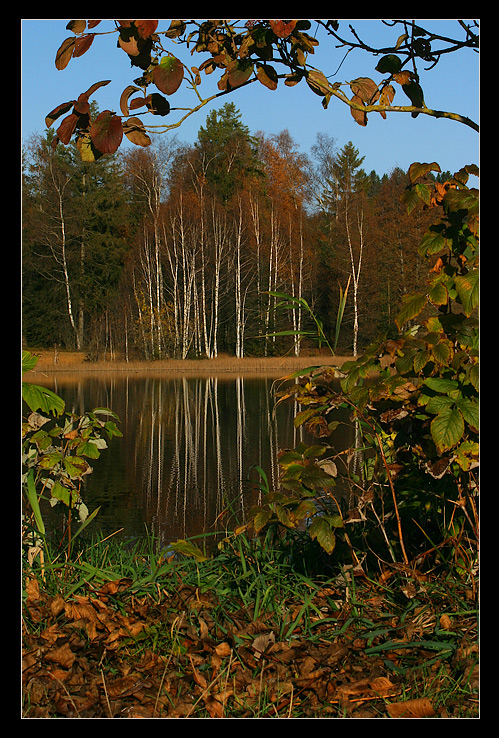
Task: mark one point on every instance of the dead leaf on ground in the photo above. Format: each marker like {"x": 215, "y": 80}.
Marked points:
{"x": 420, "y": 708}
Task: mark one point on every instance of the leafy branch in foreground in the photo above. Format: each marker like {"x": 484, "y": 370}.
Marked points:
{"x": 413, "y": 401}
{"x": 56, "y": 446}
{"x": 266, "y": 51}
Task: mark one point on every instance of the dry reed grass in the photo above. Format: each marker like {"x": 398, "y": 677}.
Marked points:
{"x": 224, "y": 364}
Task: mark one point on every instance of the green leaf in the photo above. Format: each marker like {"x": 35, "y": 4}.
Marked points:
{"x": 75, "y": 466}
{"x": 467, "y": 287}
{"x": 49, "y": 461}
{"x": 389, "y": 63}
{"x": 314, "y": 451}
{"x": 33, "y": 501}
{"x": 188, "y": 549}
{"x": 67, "y": 496}
{"x": 261, "y": 519}
{"x": 29, "y": 361}
{"x": 321, "y": 530}
{"x": 41, "y": 398}
{"x": 440, "y": 384}
{"x": 88, "y": 448}
{"x": 421, "y": 359}
{"x": 418, "y": 169}
{"x": 439, "y": 404}
{"x": 447, "y": 429}
{"x": 423, "y": 192}
{"x": 432, "y": 243}
{"x": 412, "y": 306}
{"x": 470, "y": 411}
{"x": 303, "y": 416}
{"x": 442, "y": 353}
{"x": 438, "y": 294}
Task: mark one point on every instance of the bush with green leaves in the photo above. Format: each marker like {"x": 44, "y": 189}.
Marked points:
{"x": 56, "y": 449}
{"x": 413, "y": 402}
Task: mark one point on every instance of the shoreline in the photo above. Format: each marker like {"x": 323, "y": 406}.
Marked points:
{"x": 76, "y": 362}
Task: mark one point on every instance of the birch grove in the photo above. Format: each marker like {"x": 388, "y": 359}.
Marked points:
{"x": 204, "y": 236}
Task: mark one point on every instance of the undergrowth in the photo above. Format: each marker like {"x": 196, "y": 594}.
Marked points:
{"x": 135, "y": 630}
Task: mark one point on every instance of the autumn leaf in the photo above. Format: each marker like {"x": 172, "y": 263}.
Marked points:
{"x": 267, "y": 76}
{"x": 64, "y": 53}
{"x": 63, "y": 656}
{"x": 135, "y": 132}
{"x": 359, "y": 116}
{"x": 83, "y": 44}
{"x": 107, "y": 132}
{"x": 418, "y": 708}
{"x": 417, "y": 169}
{"x": 318, "y": 82}
{"x": 57, "y": 112}
{"x": 125, "y": 96}
{"x": 282, "y": 28}
{"x": 403, "y": 78}
{"x": 146, "y": 27}
{"x": 76, "y": 26}
{"x": 67, "y": 128}
{"x": 168, "y": 74}
{"x": 386, "y": 98}
{"x": 366, "y": 89}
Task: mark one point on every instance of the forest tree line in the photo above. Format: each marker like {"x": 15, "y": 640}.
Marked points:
{"x": 173, "y": 250}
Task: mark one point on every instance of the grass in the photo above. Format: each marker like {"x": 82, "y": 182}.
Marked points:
{"x": 132, "y": 630}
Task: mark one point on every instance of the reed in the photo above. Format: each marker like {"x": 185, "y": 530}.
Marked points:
{"x": 224, "y": 364}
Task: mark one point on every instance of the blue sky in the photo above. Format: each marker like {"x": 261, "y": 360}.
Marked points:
{"x": 397, "y": 141}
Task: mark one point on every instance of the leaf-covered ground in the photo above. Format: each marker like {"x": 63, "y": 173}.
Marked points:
{"x": 181, "y": 653}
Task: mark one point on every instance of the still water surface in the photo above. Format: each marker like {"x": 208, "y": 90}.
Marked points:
{"x": 187, "y": 452}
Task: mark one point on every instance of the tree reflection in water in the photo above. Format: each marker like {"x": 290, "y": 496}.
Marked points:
{"x": 182, "y": 467}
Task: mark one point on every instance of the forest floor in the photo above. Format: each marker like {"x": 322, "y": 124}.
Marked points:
{"x": 245, "y": 637}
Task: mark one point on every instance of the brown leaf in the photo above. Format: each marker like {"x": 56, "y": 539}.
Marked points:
{"x": 64, "y": 53}
{"x": 76, "y": 26}
{"x": 386, "y": 98}
{"x": 117, "y": 585}
{"x": 281, "y": 28}
{"x": 366, "y": 89}
{"x": 57, "y": 605}
{"x": 124, "y": 98}
{"x": 107, "y": 132}
{"x": 57, "y": 112}
{"x": 263, "y": 641}
{"x": 63, "y": 656}
{"x": 359, "y": 116}
{"x": 419, "y": 708}
{"x": 146, "y": 27}
{"x": 168, "y": 74}
{"x": 223, "y": 650}
{"x": 403, "y": 78}
{"x": 267, "y": 76}
{"x": 83, "y": 44}
{"x": 125, "y": 686}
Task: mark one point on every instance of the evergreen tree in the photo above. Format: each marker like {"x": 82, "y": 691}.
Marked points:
{"x": 227, "y": 150}
{"x": 74, "y": 220}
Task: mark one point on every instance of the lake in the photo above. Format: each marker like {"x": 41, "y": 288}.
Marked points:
{"x": 184, "y": 466}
